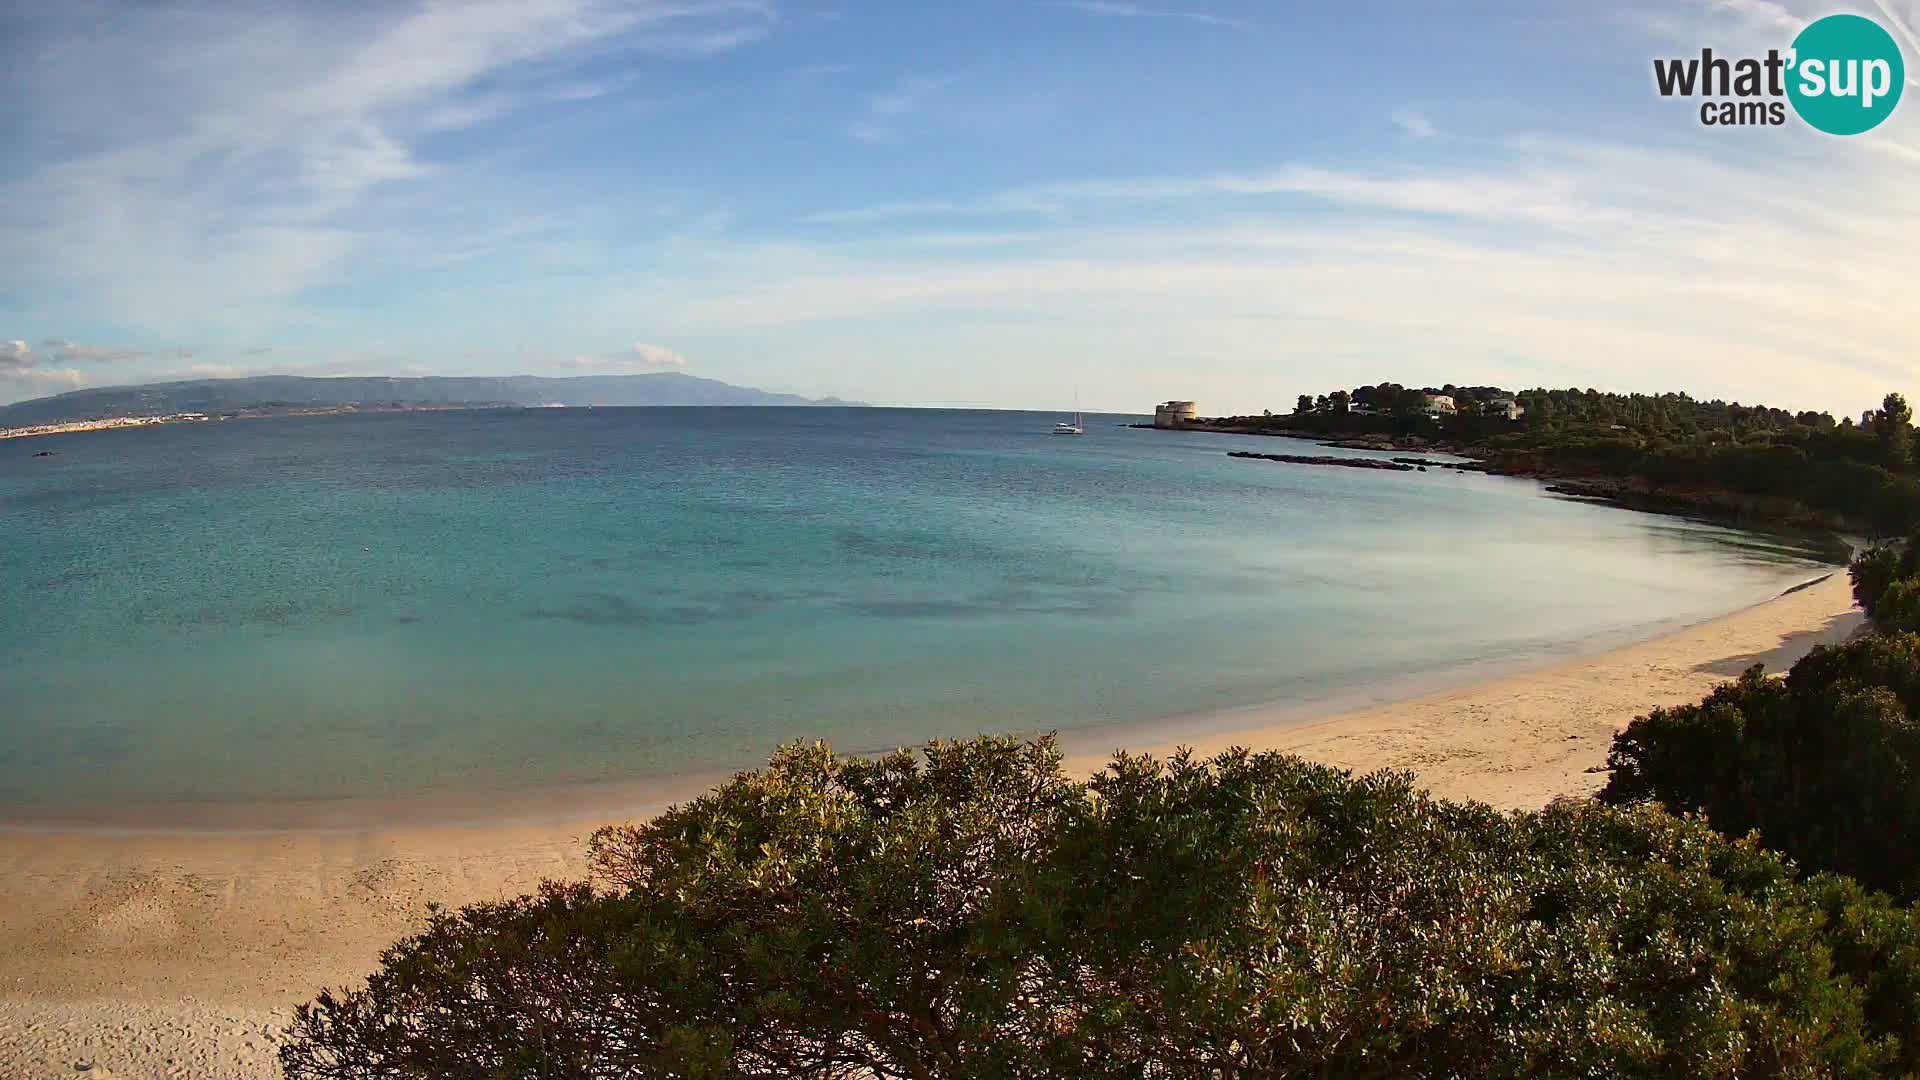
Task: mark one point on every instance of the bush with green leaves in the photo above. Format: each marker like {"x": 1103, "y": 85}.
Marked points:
{"x": 1886, "y": 584}
{"x": 1898, "y": 608}
{"x": 1873, "y": 570}
{"x": 971, "y": 911}
{"x": 1824, "y": 764}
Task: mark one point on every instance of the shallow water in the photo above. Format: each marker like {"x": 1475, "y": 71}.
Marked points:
{"x": 425, "y": 603}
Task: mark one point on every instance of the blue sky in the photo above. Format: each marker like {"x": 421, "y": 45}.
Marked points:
{"x": 989, "y": 203}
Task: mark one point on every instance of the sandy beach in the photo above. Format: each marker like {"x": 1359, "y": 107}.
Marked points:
{"x": 177, "y": 954}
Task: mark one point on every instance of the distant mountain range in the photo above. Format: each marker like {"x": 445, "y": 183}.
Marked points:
{"x": 287, "y": 392}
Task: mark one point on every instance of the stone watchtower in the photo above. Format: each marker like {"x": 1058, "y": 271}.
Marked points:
{"x": 1174, "y": 414}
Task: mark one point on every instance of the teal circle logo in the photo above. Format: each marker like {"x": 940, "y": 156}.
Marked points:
{"x": 1845, "y": 75}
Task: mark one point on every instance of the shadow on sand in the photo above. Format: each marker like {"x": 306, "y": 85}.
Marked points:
{"x": 1791, "y": 648}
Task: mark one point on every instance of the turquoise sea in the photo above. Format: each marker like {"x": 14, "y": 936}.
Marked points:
{"x": 427, "y": 603}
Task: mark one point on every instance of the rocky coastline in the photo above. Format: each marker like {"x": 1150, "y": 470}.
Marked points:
{"x": 1350, "y": 463}
{"x": 1719, "y": 506}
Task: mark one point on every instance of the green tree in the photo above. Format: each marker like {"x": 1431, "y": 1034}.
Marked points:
{"x": 1873, "y": 570}
{"x": 1824, "y": 764}
{"x": 1898, "y": 607}
{"x": 1304, "y": 404}
{"x": 1893, "y": 426}
{"x": 969, "y": 911}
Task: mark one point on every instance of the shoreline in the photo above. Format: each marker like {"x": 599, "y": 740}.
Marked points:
{"x": 595, "y": 799}
{"x": 115, "y": 423}
{"x": 150, "y": 951}
{"x": 1520, "y": 739}
{"x": 70, "y": 427}
{"x": 1718, "y": 506}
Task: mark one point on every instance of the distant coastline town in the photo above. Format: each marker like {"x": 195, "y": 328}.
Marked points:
{"x": 99, "y": 425}
{"x": 107, "y": 423}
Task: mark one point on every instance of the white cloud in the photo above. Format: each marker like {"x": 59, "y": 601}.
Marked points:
{"x": 215, "y": 371}
{"x": 21, "y": 375}
{"x": 1115, "y": 9}
{"x": 18, "y": 384}
{"x": 640, "y": 357}
{"x": 658, "y": 356}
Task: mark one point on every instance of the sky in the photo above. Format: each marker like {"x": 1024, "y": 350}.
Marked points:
{"x": 990, "y": 203}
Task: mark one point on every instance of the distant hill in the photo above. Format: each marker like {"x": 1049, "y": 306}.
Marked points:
{"x": 267, "y": 392}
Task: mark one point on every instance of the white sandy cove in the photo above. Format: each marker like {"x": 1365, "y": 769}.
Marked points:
{"x": 179, "y": 954}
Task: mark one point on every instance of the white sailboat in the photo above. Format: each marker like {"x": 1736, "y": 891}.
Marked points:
{"x": 1075, "y": 428}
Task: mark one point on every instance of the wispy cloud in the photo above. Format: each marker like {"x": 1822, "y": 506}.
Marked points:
{"x": 1763, "y": 13}
{"x": 474, "y": 109}
{"x": 1117, "y": 9}
{"x": 224, "y": 159}
{"x": 1638, "y": 267}
{"x": 325, "y": 176}
{"x": 65, "y": 350}
{"x": 884, "y": 111}
{"x": 1413, "y": 122}
{"x": 1524, "y": 193}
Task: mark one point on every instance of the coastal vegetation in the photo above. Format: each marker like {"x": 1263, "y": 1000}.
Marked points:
{"x": 1656, "y": 451}
{"x": 972, "y": 911}
{"x": 1823, "y": 764}
{"x": 1886, "y": 583}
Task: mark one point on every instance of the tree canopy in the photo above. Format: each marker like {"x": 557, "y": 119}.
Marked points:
{"x": 1753, "y": 460}
{"x": 1825, "y": 763}
{"x": 1822, "y": 764}
{"x": 971, "y": 911}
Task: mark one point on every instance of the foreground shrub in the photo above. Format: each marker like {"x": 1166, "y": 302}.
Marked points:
{"x": 971, "y": 912}
{"x": 1825, "y": 764}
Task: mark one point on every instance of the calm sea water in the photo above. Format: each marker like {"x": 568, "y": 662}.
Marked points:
{"x": 488, "y": 601}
